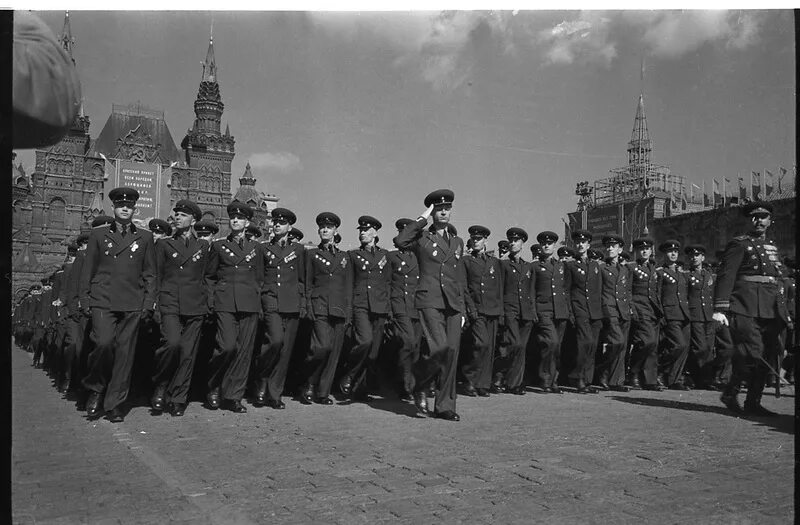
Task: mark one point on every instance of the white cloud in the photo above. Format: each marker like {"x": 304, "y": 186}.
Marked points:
{"x": 279, "y": 161}
{"x": 586, "y": 40}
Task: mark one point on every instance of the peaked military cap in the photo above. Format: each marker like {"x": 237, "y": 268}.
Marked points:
{"x": 82, "y": 238}
{"x": 187, "y": 206}
{"x": 240, "y": 208}
{"x": 123, "y": 194}
{"x": 581, "y": 235}
{"x": 516, "y": 233}
{"x": 205, "y": 227}
{"x": 536, "y": 250}
{"x": 328, "y": 218}
{"x": 36, "y": 287}
{"x": 547, "y": 237}
{"x": 564, "y": 251}
{"x": 440, "y": 197}
{"x": 502, "y": 244}
{"x": 668, "y": 245}
{"x": 296, "y": 233}
{"x": 613, "y": 238}
{"x": 625, "y": 255}
{"x": 594, "y": 255}
{"x": 643, "y": 242}
{"x": 757, "y": 207}
{"x": 72, "y": 248}
{"x": 102, "y": 220}
{"x": 691, "y": 249}
{"x": 283, "y": 213}
{"x": 159, "y": 226}
{"x": 401, "y": 224}
{"x": 253, "y": 230}
{"x": 366, "y": 221}
{"x": 477, "y": 229}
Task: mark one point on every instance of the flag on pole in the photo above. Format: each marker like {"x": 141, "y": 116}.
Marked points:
{"x": 769, "y": 183}
{"x": 109, "y": 167}
{"x": 783, "y": 171}
{"x": 691, "y": 191}
{"x": 706, "y": 200}
{"x": 715, "y": 191}
{"x": 725, "y": 190}
{"x": 742, "y": 190}
{"x": 755, "y": 185}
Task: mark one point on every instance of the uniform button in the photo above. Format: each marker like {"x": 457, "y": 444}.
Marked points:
{"x": 368, "y": 286}
{"x": 181, "y": 267}
{"x": 235, "y": 265}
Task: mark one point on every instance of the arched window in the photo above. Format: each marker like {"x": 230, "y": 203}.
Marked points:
{"x": 56, "y": 214}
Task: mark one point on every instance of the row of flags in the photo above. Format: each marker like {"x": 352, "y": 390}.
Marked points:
{"x": 761, "y": 185}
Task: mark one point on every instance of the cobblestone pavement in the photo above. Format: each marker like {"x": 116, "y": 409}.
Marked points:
{"x": 636, "y": 457}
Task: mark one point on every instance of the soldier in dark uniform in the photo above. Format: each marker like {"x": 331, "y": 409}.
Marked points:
{"x": 329, "y": 289}
{"x": 750, "y": 297}
{"x": 64, "y": 346}
{"x": 701, "y": 309}
{"x": 566, "y": 254}
{"x": 118, "y": 290}
{"x": 439, "y": 299}
{"x": 647, "y": 313}
{"x": 295, "y": 235}
{"x": 206, "y": 230}
{"x": 595, "y": 255}
{"x": 552, "y": 306}
{"x": 406, "y": 327}
{"x": 586, "y": 288}
{"x": 159, "y": 228}
{"x": 484, "y": 303}
{"x": 519, "y": 313}
{"x": 183, "y": 302}
{"x": 502, "y": 249}
{"x": 78, "y": 325}
{"x": 39, "y": 339}
{"x": 675, "y": 334}
{"x": 371, "y": 277}
{"x": 252, "y": 232}
{"x": 235, "y": 273}
{"x": 283, "y": 299}
{"x": 617, "y": 316}
{"x": 789, "y": 336}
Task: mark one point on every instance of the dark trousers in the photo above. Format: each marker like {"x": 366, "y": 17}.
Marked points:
{"x": 72, "y": 340}
{"x": 549, "y": 334}
{"x": 756, "y": 343}
{"x": 587, "y": 335}
{"x": 272, "y": 363}
{"x": 675, "y": 350}
{"x": 367, "y": 335}
{"x": 477, "y": 367}
{"x": 701, "y": 345}
{"x": 110, "y": 363}
{"x": 615, "y": 337}
{"x": 442, "y": 329}
{"x": 723, "y": 354}
{"x": 230, "y": 362}
{"x": 408, "y": 332}
{"x": 516, "y": 333}
{"x": 174, "y": 360}
{"x": 644, "y": 357}
{"x": 37, "y": 343}
{"x": 327, "y": 338}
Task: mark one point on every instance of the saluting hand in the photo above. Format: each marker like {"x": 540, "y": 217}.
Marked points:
{"x": 427, "y": 213}
{"x": 721, "y": 318}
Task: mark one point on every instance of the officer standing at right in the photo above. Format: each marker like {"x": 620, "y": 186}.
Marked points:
{"x": 750, "y": 297}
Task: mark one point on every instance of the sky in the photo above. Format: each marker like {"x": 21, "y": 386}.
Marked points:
{"x": 366, "y": 113}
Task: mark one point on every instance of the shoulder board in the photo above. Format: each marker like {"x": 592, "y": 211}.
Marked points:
{"x": 741, "y": 238}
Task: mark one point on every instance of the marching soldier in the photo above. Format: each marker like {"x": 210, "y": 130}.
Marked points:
{"x": 484, "y": 304}
{"x": 252, "y": 232}
{"x": 519, "y": 312}
{"x": 701, "y": 309}
{"x": 566, "y": 254}
{"x": 586, "y": 288}
{"x": 616, "y": 316}
{"x": 159, "y": 228}
{"x": 647, "y": 313}
{"x": 64, "y": 347}
{"x": 118, "y": 291}
{"x": 206, "y": 230}
{"x": 329, "y": 288}
{"x": 371, "y": 277}
{"x": 78, "y": 325}
{"x": 235, "y": 274}
{"x": 283, "y": 300}
{"x": 750, "y": 297}
{"x": 502, "y": 249}
{"x": 183, "y": 303}
{"x": 439, "y": 299}
{"x": 552, "y": 307}
{"x": 674, "y": 291}
{"x": 295, "y": 235}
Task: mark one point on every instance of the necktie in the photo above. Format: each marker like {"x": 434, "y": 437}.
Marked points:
{"x": 240, "y": 241}
{"x": 124, "y": 230}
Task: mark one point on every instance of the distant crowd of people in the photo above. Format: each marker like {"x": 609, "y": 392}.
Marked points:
{"x": 175, "y": 310}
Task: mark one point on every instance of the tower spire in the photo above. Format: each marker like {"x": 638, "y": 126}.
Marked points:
{"x": 210, "y": 65}
{"x": 247, "y": 178}
{"x": 66, "y": 40}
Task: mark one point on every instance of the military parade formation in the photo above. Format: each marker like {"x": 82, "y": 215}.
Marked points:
{"x": 258, "y": 316}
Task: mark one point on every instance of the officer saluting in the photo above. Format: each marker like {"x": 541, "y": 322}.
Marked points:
{"x": 439, "y": 299}
{"x": 750, "y": 297}
{"x": 118, "y": 289}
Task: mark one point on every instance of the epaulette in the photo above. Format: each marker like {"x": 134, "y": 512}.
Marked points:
{"x": 741, "y": 238}
{"x": 217, "y": 240}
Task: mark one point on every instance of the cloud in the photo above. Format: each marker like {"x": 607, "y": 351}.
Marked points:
{"x": 586, "y": 40}
{"x": 279, "y": 161}
{"x": 673, "y": 34}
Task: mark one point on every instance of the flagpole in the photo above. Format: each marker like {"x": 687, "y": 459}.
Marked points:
{"x": 751, "y": 185}
{"x": 724, "y": 193}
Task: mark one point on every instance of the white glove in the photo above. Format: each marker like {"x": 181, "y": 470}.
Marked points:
{"x": 720, "y": 318}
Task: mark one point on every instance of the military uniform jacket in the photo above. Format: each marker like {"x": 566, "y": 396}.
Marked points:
{"x": 586, "y": 288}
{"x": 119, "y": 273}
{"x": 517, "y": 289}
{"x": 403, "y": 286}
{"x": 54, "y": 313}
{"x": 674, "y": 294}
{"x": 550, "y": 285}
{"x": 329, "y": 282}
{"x": 791, "y": 297}
{"x": 616, "y": 296}
{"x": 235, "y": 275}
{"x": 73, "y": 284}
{"x": 752, "y": 258}
{"x": 284, "y": 278}
{"x": 42, "y": 315}
{"x": 371, "y": 277}
{"x": 29, "y": 308}
{"x": 484, "y": 285}
{"x": 442, "y": 283}
{"x": 645, "y": 292}
{"x": 701, "y": 294}
{"x": 181, "y": 267}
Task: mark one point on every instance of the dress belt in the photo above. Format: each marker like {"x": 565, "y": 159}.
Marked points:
{"x": 758, "y": 279}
